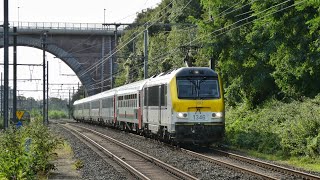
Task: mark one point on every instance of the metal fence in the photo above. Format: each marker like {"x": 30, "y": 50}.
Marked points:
{"x": 63, "y": 26}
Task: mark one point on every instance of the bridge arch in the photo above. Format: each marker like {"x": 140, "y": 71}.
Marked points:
{"x": 79, "y": 48}
{"x": 66, "y": 57}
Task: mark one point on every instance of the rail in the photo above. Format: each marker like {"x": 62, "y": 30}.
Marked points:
{"x": 65, "y": 26}
{"x": 177, "y": 172}
{"x": 274, "y": 167}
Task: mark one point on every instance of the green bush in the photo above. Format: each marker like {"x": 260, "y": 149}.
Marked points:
{"x": 35, "y": 113}
{"x": 57, "y": 114}
{"x": 288, "y": 129}
{"x": 25, "y": 152}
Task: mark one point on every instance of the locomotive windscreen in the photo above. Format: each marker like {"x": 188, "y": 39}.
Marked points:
{"x": 198, "y": 88}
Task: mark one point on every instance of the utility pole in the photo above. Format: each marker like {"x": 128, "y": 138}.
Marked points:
{"x": 18, "y": 16}
{"x": 146, "y": 53}
{"x": 1, "y": 97}
{"x": 6, "y": 62}
{"x": 102, "y": 59}
{"x": 114, "y": 54}
{"x": 111, "y": 62}
{"x": 47, "y": 119}
{"x": 14, "y": 103}
{"x": 104, "y": 16}
{"x": 44, "y": 38}
{"x": 69, "y": 104}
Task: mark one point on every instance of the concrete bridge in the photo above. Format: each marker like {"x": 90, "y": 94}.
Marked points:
{"x": 79, "y": 45}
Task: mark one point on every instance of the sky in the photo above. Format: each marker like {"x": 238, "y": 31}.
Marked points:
{"x": 73, "y": 11}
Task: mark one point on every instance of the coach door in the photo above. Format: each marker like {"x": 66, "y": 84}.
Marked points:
{"x": 145, "y": 105}
{"x": 159, "y": 100}
{"x": 115, "y": 107}
{"x": 139, "y": 109}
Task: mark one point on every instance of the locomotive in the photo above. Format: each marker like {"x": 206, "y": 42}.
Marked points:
{"x": 185, "y": 105}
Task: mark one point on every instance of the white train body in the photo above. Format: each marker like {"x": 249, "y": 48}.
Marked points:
{"x": 185, "y": 105}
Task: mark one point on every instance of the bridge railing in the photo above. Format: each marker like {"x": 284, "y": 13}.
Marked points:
{"x": 63, "y": 26}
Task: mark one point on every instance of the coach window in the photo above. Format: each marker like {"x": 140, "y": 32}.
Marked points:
{"x": 86, "y": 106}
{"x": 153, "y": 96}
{"x": 95, "y": 105}
{"x": 104, "y": 103}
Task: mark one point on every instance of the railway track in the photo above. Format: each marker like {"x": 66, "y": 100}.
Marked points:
{"x": 242, "y": 164}
{"x": 270, "y": 166}
{"x": 136, "y": 162}
{"x": 252, "y": 166}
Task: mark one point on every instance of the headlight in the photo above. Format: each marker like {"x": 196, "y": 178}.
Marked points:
{"x": 217, "y": 115}
{"x": 182, "y": 115}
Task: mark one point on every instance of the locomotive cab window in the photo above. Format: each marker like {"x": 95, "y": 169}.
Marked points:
{"x": 198, "y": 88}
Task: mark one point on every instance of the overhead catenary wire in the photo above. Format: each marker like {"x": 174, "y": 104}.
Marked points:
{"x": 90, "y": 47}
{"x": 99, "y": 44}
{"x": 147, "y": 25}
{"x": 142, "y": 63}
{"x": 99, "y": 62}
{"x": 220, "y": 14}
{"x": 209, "y": 34}
{"x": 93, "y": 66}
{"x": 174, "y": 50}
{"x": 92, "y": 34}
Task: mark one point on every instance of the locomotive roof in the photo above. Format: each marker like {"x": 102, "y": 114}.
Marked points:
{"x": 196, "y": 71}
{"x": 165, "y": 78}
{"x": 162, "y": 78}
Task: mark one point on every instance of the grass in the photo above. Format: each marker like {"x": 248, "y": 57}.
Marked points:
{"x": 301, "y": 163}
{"x": 78, "y": 164}
{"x": 286, "y": 132}
{"x": 297, "y": 162}
{"x": 64, "y": 150}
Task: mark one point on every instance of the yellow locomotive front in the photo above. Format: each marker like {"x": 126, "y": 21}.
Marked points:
{"x": 197, "y": 106}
